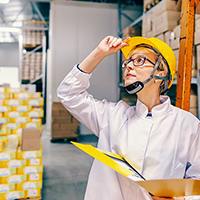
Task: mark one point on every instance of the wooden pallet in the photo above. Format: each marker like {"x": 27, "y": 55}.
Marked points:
{"x": 32, "y": 198}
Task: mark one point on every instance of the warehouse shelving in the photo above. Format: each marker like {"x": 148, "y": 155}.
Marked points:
{"x": 194, "y": 80}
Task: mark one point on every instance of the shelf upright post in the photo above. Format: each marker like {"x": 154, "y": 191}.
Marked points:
{"x": 185, "y": 54}
{"x": 20, "y": 57}
{"x": 43, "y": 65}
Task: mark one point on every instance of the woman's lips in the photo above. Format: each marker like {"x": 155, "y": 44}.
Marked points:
{"x": 130, "y": 75}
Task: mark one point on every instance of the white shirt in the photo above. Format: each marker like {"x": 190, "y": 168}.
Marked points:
{"x": 160, "y": 146}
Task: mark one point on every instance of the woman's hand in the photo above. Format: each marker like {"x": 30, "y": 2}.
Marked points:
{"x": 110, "y": 45}
{"x": 107, "y": 46}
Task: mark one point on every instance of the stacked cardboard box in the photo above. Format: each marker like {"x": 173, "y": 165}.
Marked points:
{"x": 64, "y": 125}
{"x": 32, "y": 37}
{"x": 131, "y": 32}
{"x": 32, "y": 62}
{"x": 20, "y": 155}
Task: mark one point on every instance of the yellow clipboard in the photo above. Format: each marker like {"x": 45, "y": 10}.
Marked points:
{"x": 160, "y": 188}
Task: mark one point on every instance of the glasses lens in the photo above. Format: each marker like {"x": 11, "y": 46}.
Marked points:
{"x": 125, "y": 63}
{"x": 139, "y": 61}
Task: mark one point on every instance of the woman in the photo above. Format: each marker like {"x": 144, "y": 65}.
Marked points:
{"x": 160, "y": 139}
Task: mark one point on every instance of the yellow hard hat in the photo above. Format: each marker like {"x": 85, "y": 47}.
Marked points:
{"x": 163, "y": 48}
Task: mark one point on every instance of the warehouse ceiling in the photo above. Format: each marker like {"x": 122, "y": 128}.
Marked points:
{"x": 13, "y": 13}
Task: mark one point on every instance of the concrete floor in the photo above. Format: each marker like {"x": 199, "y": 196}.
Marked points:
{"x": 66, "y": 168}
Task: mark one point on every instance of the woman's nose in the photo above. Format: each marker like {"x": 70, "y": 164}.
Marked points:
{"x": 130, "y": 66}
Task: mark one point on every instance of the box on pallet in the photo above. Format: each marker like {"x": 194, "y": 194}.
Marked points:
{"x": 29, "y": 154}
{"x": 198, "y": 56}
{"x": 6, "y": 187}
{"x": 12, "y": 195}
{"x": 30, "y": 140}
{"x": 13, "y": 102}
{"x": 35, "y": 177}
{"x": 197, "y": 32}
{"x": 14, "y": 179}
{"x": 29, "y": 185}
{"x": 12, "y": 163}
{"x": 131, "y": 32}
{"x": 27, "y": 170}
{"x": 33, "y": 193}
{"x": 7, "y": 171}
{"x": 63, "y": 123}
{"x": 163, "y": 6}
{"x": 5, "y": 108}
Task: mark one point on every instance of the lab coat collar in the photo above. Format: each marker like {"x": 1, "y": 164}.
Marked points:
{"x": 158, "y": 110}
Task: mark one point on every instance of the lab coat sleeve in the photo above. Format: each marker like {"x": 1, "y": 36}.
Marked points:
{"x": 194, "y": 157}
{"x": 74, "y": 97}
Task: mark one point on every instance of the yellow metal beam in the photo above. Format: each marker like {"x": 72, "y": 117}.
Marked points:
{"x": 185, "y": 54}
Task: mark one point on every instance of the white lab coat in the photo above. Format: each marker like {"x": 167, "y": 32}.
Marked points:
{"x": 161, "y": 146}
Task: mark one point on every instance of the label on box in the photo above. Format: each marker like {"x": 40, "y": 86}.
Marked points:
{"x": 23, "y": 95}
{"x": 4, "y": 156}
{"x": 14, "y": 195}
{"x": 34, "y": 114}
{"x": 15, "y": 179}
{"x": 4, "y": 188}
{"x": 14, "y": 163}
{"x": 35, "y": 161}
{"x": 4, "y": 120}
{"x": 29, "y": 185}
{"x": 33, "y": 103}
{"x": 13, "y": 102}
{"x": 34, "y": 177}
{"x": 29, "y": 155}
{"x": 4, "y": 108}
{"x": 4, "y": 172}
{"x": 30, "y": 170}
{"x": 32, "y": 193}
{"x": 22, "y": 119}
{"x": 22, "y": 108}
{"x": 13, "y": 114}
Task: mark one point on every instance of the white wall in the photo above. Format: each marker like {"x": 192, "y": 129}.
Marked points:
{"x": 9, "y": 54}
{"x": 76, "y": 28}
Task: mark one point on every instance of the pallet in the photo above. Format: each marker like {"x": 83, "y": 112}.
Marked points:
{"x": 31, "y": 198}
{"x": 64, "y": 139}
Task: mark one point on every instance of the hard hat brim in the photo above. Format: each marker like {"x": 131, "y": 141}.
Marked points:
{"x": 133, "y": 42}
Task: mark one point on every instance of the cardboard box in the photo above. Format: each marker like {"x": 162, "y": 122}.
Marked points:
{"x": 6, "y": 187}
{"x": 6, "y": 156}
{"x": 14, "y": 90}
{"x": 21, "y": 120}
{"x": 64, "y": 134}
{"x": 14, "y": 179}
{"x": 29, "y": 154}
{"x": 7, "y": 171}
{"x": 175, "y": 43}
{"x": 161, "y": 37}
{"x": 5, "y": 95}
{"x": 13, "y": 163}
{"x": 13, "y": 102}
{"x": 12, "y": 195}
{"x": 29, "y": 185}
{"x": 34, "y": 102}
{"x": 198, "y": 56}
{"x": 147, "y": 23}
{"x": 21, "y": 108}
{"x": 34, "y": 162}
{"x": 164, "y": 27}
{"x": 30, "y": 139}
{"x": 23, "y": 95}
{"x": 163, "y": 6}
{"x": 167, "y": 37}
{"x": 35, "y": 177}
{"x": 131, "y": 32}
{"x": 35, "y": 114}
{"x": 33, "y": 193}
{"x": 5, "y": 108}
{"x": 196, "y": 37}
{"x": 30, "y": 170}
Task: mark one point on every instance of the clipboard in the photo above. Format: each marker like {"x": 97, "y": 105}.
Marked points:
{"x": 160, "y": 188}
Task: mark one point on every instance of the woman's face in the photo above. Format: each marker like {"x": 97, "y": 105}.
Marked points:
{"x": 139, "y": 73}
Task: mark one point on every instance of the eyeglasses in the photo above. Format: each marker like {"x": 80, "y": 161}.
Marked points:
{"x": 138, "y": 62}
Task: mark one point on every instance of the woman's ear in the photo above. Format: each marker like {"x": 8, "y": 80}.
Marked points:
{"x": 160, "y": 73}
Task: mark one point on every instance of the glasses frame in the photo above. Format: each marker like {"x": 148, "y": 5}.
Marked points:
{"x": 132, "y": 60}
